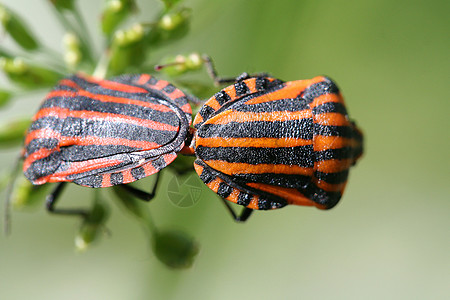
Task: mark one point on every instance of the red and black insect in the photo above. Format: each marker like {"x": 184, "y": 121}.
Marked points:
{"x": 260, "y": 142}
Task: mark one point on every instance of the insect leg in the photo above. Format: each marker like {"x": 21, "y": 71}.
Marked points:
{"x": 140, "y": 194}
{"x": 242, "y": 217}
{"x": 54, "y": 196}
{"x": 213, "y": 73}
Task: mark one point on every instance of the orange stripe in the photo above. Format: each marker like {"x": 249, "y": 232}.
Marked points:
{"x": 251, "y": 142}
{"x": 41, "y": 153}
{"x": 120, "y": 87}
{"x": 198, "y": 119}
{"x": 108, "y": 98}
{"x": 243, "y": 168}
{"x": 84, "y": 114}
{"x": 334, "y": 119}
{"x": 44, "y": 133}
{"x": 292, "y": 196}
{"x": 80, "y": 167}
{"x": 127, "y": 177}
{"x": 325, "y": 99}
{"x": 291, "y": 90}
{"x": 176, "y": 94}
{"x": 254, "y": 202}
{"x": 160, "y": 84}
{"x": 68, "y": 83}
{"x": 143, "y": 79}
{"x": 251, "y": 83}
{"x": 231, "y": 91}
{"x": 93, "y": 140}
{"x": 329, "y": 187}
{"x": 106, "y": 180}
{"x": 333, "y": 165}
{"x": 243, "y": 117}
{"x": 214, "y": 185}
{"x": 149, "y": 169}
{"x": 233, "y": 197}
{"x": 332, "y": 142}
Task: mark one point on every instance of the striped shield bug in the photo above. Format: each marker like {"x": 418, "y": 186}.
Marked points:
{"x": 261, "y": 142}
{"x": 264, "y": 143}
{"x": 102, "y": 133}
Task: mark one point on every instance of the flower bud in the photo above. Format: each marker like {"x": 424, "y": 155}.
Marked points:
{"x": 26, "y": 194}
{"x": 127, "y": 49}
{"x": 72, "y": 50}
{"x": 114, "y": 13}
{"x": 92, "y": 224}
{"x": 26, "y": 75}
{"x": 175, "y": 249}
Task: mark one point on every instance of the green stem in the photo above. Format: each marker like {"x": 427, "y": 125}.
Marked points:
{"x": 101, "y": 70}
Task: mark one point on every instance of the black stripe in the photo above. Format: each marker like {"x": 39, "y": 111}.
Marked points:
{"x": 159, "y": 163}
{"x": 44, "y": 166}
{"x": 97, "y": 89}
{"x": 152, "y": 81}
{"x": 330, "y": 107}
{"x": 62, "y": 87}
{"x": 261, "y": 83}
{"x": 318, "y": 89}
{"x": 297, "y": 156}
{"x": 282, "y": 180}
{"x": 103, "y": 129}
{"x": 206, "y": 175}
{"x": 38, "y": 144}
{"x": 241, "y": 89}
{"x": 332, "y": 178}
{"x": 83, "y": 153}
{"x": 276, "y": 105}
{"x": 116, "y": 178}
{"x": 94, "y": 181}
{"x": 318, "y": 195}
{"x": 339, "y": 153}
{"x": 169, "y": 88}
{"x": 205, "y": 112}
{"x": 138, "y": 173}
{"x": 88, "y": 104}
{"x": 222, "y": 97}
{"x": 329, "y": 130}
{"x": 277, "y": 129}
{"x": 224, "y": 190}
{"x": 244, "y": 198}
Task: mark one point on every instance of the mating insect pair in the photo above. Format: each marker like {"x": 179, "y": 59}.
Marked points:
{"x": 261, "y": 143}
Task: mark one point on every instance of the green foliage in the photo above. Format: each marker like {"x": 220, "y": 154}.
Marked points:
{"x": 17, "y": 29}
{"x": 126, "y": 49}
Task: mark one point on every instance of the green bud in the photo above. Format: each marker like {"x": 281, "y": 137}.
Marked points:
{"x": 26, "y": 194}
{"x": 114, "y": 13}
{"x": 73, "y": 52}
{"x": 63, "y": 4}
{"x": 17, "y": 29}
{"x": 171, "y": 26}
{"x": 11, "y": 134}
{"x": 92, "y": 224}
{"x": 5, "y": 97}
{"x": 174, "y": 66}
{"x": 175, "y": 249}
{"x": 127, "y": 49}
{"x": 28, "y": 76}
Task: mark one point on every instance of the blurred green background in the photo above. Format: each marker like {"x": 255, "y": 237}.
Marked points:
{"x": 389, "y": 238}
